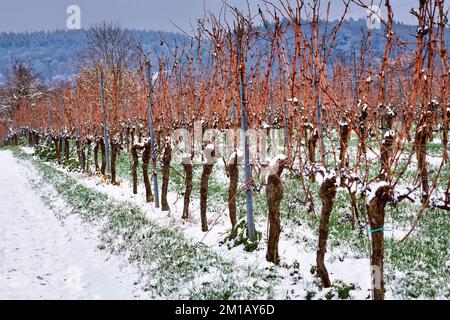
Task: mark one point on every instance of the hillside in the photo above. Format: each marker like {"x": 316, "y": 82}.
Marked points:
{"x": 53, "y": 54}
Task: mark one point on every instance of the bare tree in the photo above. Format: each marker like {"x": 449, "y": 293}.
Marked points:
{"x": 110, "y": 50}
{"x": 22, "y": 84}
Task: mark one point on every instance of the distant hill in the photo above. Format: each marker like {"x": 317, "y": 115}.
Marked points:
{"x": 52, "y": 54}
{"x": 350, "y": 37}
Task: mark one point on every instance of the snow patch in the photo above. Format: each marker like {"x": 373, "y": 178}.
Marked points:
{"x": 374, "y": 189}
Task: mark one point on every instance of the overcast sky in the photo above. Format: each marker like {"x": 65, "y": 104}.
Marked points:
{"x": 36, "y": 15}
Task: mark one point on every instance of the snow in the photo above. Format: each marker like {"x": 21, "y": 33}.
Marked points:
{"x": 401, "y": 192}
{"x": 209, "y": 148}
{"x": 28, "y": 150}
{"x": 390, "y": 112}
{"x": 353, "y": 186}
{"x": 371, "y": 155}
{"x": 291, "y": 247}
{"x": 342, "y": 264}
{"x": 232, "y": 157}
{"x": 434, "y": 161}
{"x": 42, "y": 257}
{"x": 140, "y": 144}
{"x": 329, "y": 175}
{"x": 394, "y": 233}
{"x": 375, "y": 188}
{"x": 275, "y": 162}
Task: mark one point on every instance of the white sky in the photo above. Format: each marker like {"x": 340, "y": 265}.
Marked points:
{"x": 35, "y": 15}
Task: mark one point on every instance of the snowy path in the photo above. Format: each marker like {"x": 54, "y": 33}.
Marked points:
{"x": 43, "y": 258}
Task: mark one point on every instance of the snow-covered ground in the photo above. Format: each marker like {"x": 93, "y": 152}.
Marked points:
{"x": 42, "y": 257}
{"x": 58, "y": 258}
{"x": 352, "y": 269}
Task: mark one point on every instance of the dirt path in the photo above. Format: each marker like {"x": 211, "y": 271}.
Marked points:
{"x": 43, "y": 258}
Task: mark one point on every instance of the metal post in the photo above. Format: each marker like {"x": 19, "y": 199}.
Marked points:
{"x": 105, "y": 125}
{"x": 152, "y": 134}
{"x": 247, "y": 168}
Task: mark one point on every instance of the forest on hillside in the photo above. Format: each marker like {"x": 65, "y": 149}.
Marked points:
{"x": 53, "y": 54}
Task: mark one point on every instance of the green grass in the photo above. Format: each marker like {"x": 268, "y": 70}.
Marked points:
{"x": 434, "y": 149}
{"x": 171, "y": 265}
{"x": 423, "y": 259}
{"x": 419, "y": 267}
